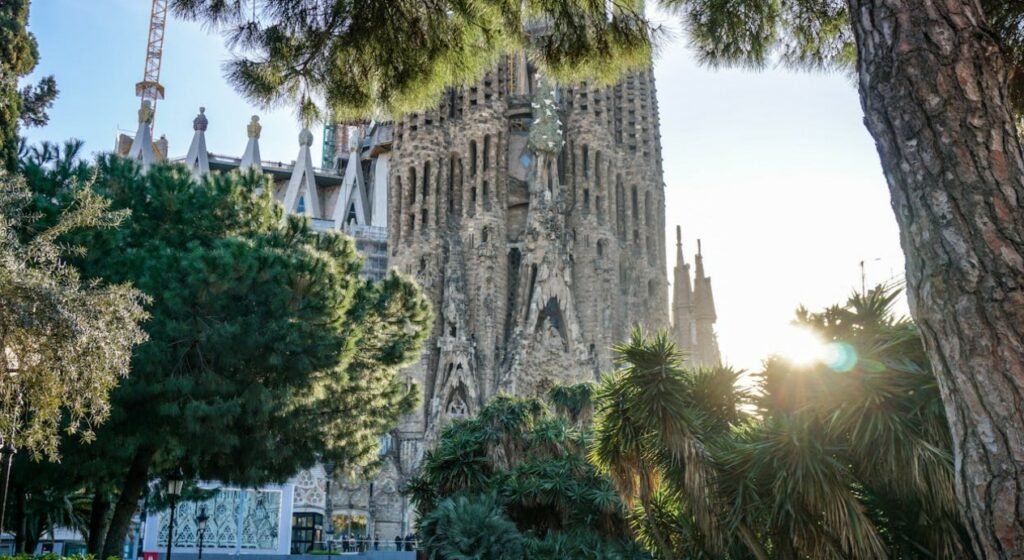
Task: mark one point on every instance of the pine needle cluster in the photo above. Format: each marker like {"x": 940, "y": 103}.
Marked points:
{"x": 359, "y": 59}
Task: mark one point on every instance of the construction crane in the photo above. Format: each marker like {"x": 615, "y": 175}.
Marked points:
{"x": 149, "y": 89}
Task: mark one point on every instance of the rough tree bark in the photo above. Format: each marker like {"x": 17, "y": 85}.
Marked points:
{"x": 97, "y": 521}
{"x": 127, "y": 502}
{"x": 933, "y": 88}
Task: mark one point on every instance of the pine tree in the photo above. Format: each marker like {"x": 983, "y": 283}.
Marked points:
{"x": 267, "y": 351}
{"x": 357, "y": 59}
{"x": 941, "y": 87}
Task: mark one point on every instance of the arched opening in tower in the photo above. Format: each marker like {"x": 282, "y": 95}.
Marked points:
{"x": 351, "y": 217}
{"x": 457, "y": 403}
{"x": 552, "y": 316}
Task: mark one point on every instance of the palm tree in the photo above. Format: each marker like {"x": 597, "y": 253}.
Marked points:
{"x": 652, "y": 427}
{"x": 530, "y": 465}
{"x": 470, "y": 528}
{"x": 886, "y": 413}
{"x": 849, "y": 459}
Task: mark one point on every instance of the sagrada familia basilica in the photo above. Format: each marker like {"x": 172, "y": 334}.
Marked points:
{"x": 531, "y": 215}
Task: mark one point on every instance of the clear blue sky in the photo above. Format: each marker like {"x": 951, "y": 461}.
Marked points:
{"x": 774, "y": 171}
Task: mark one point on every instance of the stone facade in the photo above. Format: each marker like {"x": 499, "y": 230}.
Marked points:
{"x": 538, "y": 253}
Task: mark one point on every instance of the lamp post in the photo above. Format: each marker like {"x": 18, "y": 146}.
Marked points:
{"x": 201, "y": 520}
{"x": 329, "y": 507}
{"x": 7, "y": 452}
{"x": 174, "y": 483}
{"x": 330, "y": 540}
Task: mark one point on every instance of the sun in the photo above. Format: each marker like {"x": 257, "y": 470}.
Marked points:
{"x": 802, "y": 347}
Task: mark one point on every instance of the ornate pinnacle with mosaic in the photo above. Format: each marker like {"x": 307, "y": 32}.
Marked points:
{"x": 546, "y": 130}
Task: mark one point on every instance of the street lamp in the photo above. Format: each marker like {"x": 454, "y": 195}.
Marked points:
{"x": 329, "y": 507}
{"x": 174, "y": 483}
{"x": 330, "y": 540}
{"x": 7, "y": 452}
{"x": 201, "y": 520}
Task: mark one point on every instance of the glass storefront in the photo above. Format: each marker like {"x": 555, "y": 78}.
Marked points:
{"x": 306, "y": 529}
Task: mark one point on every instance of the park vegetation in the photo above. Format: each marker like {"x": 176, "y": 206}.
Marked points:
{"x": 941, "y": 86}
{"x": 256, "y": 325}
{"x": 846, "y": 459}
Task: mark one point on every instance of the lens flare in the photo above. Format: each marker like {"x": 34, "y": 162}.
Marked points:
{"x": 841, "y": 356}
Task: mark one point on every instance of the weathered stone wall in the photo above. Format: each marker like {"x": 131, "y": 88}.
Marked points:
{"x": 525, "y": 291}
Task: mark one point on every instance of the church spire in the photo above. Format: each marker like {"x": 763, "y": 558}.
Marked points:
{"x": 142, "y": 145}
{"x": 302, "y": 185}
{"x": 706, "y": 351}
{"x": 198, "y": 159}
{"x": 251, "y": 157}
{"x": 704, "y": 299}
{"x": 682, "y": 300}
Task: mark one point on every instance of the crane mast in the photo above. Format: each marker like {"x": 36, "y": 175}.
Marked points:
{"x": 149, "y": 88}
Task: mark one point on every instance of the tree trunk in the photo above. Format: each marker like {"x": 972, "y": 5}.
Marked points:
{"x": 645, "y": 501}
{"x": 97, "y": 521}
{"x": 20, "y": 536}
{"x": 750, "y": 539}
{"x": 934, "y": 92}
{"x": 131, "y": 490}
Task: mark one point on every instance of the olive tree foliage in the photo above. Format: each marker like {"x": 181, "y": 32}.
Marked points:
{"x": 64, "y": 343}
{"x": 367, "y": 58}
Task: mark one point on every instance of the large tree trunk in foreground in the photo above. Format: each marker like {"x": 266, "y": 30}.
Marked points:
{"x": 131, "y": 490}
{"x": 97, "y": 522}
{"x": 933, "y": 88}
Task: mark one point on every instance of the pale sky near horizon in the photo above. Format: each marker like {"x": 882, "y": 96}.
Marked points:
{"x": 774, "y": 170}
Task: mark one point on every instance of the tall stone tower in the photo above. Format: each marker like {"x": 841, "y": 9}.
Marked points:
{"x": 532, "y": 216}
{"x": 693, "y": 311}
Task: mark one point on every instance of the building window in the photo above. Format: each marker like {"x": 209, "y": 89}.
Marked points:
{"x": 412, "y": 185}
{"x": 305, "y": 531}
{"x": 487, "y": 151}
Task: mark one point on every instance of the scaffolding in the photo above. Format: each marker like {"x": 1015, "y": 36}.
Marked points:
{"x": 330, "y": 147}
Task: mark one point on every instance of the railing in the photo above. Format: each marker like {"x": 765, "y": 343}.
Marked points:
{"x": 372, "y": 233}
{"x": 321, "y": 224}
{"x": 360, "y": 544}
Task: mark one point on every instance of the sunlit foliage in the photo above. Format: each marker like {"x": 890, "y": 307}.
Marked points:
{"x": 64, "y": 342}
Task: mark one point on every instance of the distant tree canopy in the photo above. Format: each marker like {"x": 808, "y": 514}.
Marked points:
{"x": 365, "y": 58}
{"x": 18, "y": 57}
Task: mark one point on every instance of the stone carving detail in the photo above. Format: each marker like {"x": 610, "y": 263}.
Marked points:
{"x": 310, "y": 489}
